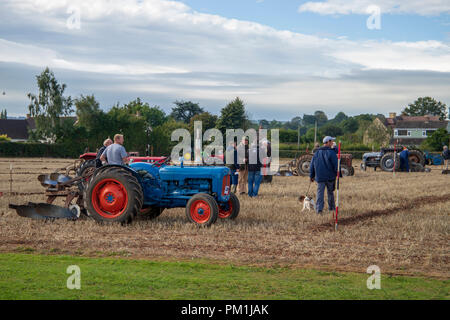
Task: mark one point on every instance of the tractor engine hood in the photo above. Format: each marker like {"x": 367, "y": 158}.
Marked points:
{"x": 372, "y": 154}
{"x": 175, "y": 172}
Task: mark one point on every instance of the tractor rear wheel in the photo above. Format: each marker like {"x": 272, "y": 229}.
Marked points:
{"x": 230, "y": 210}
{"x": 416, "y": 167}
{"x": 202, "y": 209}
{"x": 417, "y": 157}
{"x": 113, "y": 195}
{"x": 86, "y": 170}
{"x": 303, "y": 164}
{"x": 352, "y": 171}
{"x": 151, "y": 212}
{"x": 387, "y": 162}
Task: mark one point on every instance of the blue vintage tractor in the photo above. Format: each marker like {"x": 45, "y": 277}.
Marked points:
{"x": 120, "y": 193}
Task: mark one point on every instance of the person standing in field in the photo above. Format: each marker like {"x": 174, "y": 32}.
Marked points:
{"x": 106, "y": 144}
{"x": 404, "y": 160}
{"x": 243, "y": 168}
{"x": 115, "y": 153}
{"x": 323, "y": 170}
{"x": 234, "y": 166}
{"x": 446, "y": 156}
{"x": 254, "y": 171}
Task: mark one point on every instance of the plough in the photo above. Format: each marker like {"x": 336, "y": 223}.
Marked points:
{"x": 57, "y": 185}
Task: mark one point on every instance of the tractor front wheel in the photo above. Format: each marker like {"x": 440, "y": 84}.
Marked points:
{"x": 86, "y": 170}
{"x": 230, "y": 210}
{"x": 388, "y": 161}
{"x": 202, "y": 209}
{"x": 114, "y": 195}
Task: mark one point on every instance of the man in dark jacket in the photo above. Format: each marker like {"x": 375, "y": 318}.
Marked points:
{"x": 323, "y": 170}
{"x": 404, "y": 160}
{"x": 106, "y": 144}
{"x": 254, "y": 170}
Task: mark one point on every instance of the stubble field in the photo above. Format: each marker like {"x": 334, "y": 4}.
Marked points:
{"x": 399, "y": 223}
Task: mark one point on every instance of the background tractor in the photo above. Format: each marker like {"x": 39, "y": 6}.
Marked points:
{"x": 385, "y": 159}
{"x": 303, "y": 163}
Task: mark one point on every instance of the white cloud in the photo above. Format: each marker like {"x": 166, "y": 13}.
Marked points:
{"x": 164, "y": 48}
{"x": 420, "y": 7}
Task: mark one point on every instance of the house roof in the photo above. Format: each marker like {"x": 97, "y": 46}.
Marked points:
{"x": 15, "y": 128}
{"x": 420, "y": 122}
{"x": 421, "y": 125}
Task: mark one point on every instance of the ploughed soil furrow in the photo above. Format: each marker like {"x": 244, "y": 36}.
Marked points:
{"x": 411, "y": 204}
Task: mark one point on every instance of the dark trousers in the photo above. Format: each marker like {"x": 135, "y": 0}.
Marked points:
{"x": 254, "y": 181}
{"x": 330, "y": 185}
{"x": 404, "y": 165}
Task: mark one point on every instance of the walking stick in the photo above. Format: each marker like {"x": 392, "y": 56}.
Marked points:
{"x": 337, "y": 187}
{"x": 395, "y": 157}
{"x": 307, "y": 192}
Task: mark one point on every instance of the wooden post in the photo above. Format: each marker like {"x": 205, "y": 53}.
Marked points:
{"x": 10, "y": 179}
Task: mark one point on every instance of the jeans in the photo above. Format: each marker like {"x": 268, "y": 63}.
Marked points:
{"x": 321, "y": 193}
{"x": 254, "y": 181}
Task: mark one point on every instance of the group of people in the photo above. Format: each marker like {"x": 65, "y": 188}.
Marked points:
{"x": 246, "y": 176}
{"x": 245, "y": 170}
{"x": 112, "y": 152}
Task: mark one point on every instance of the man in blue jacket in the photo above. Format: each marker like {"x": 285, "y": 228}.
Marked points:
{"x": 404, "y": 160}
{"x": 323, "y": 170}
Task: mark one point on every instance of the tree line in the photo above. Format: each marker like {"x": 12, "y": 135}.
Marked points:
{"x": 144, "y": 125}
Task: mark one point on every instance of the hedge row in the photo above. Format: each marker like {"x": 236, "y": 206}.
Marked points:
{"x": 20, "y": 149}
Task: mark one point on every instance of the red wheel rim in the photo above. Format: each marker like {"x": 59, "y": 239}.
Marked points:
{"x": 109, "y": 198}
{"x": 200, "y": 211}
{"x": 225, "y": 213}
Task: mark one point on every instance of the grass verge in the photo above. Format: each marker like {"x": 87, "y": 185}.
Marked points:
{"x": 31, "y": 276}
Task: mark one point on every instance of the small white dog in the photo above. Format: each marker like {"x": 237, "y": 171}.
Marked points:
{"x": 308, "y": 203}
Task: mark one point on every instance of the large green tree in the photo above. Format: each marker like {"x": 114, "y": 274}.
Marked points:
{"x": 340, "y": 117}
{"x": 154, "y": 116}
{"x": 4, "y": 114}
{"x": 94, "y": 121}
{"x": 437, "y": 140}
{"x": 350, "y": 125}
{"x": 48, "y": 105}
{"x": 185, "y": 110}
{"x": 208, "y": 121}
{"x": 233, "y": 116}
{"x": 321, "y": 118}
{"x": 331, "y": 130}
{"x": 426, "y": 106}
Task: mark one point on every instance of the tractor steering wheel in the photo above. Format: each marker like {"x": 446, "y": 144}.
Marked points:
{"x": 165, "y": 161}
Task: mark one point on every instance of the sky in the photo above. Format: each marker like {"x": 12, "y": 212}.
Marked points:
{"x": 284, "y": 58}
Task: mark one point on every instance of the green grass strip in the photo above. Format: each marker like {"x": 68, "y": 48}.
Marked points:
{"x": 32, "y": 276}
